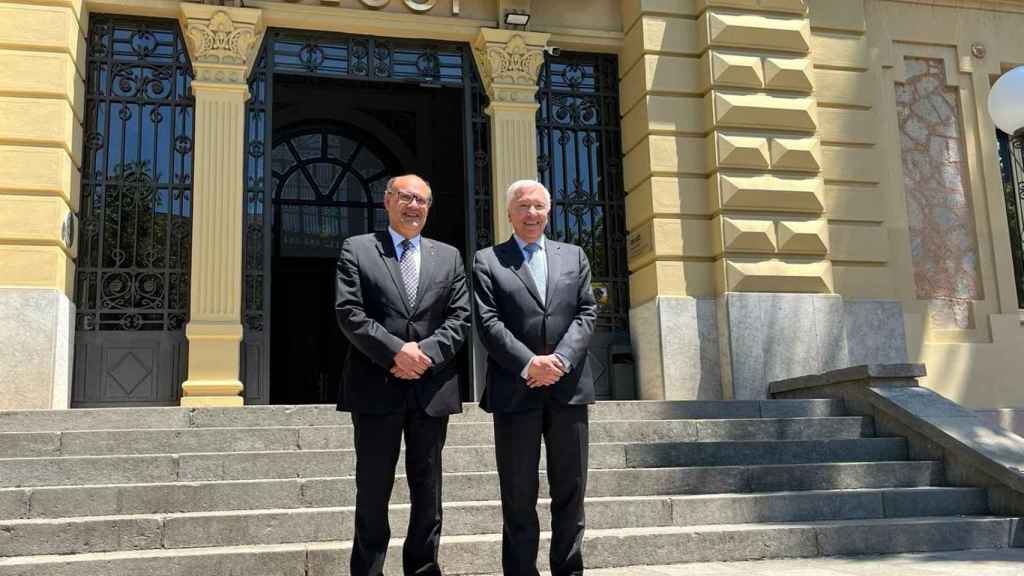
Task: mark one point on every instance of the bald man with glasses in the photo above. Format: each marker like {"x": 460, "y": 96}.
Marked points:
{"x": 402, "y": 301}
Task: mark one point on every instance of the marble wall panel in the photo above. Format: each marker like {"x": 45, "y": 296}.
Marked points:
{"x": 943, "y": 242}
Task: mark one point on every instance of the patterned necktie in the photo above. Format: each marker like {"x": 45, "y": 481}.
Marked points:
{"x": 410, "y": 277}
{"x": 536, "y": 265}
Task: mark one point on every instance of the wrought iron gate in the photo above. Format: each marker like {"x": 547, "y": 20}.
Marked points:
{"x": 132, "y": 283}
{"x": 579, "y": 151}
{"x": 367, "y": 59}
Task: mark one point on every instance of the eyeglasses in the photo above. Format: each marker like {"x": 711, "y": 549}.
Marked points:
{"x": 406, "y": 198}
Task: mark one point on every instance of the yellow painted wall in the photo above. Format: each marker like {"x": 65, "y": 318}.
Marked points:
{"x": 42, "y": 55}
{"x": 727, "y": 119}
{"x": 761, "y": 145}
{"x": 723, "y": 149}
{"x": 979, "y": 365}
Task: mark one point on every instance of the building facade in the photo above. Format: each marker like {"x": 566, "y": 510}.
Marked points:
{"x": 766, "y": 188}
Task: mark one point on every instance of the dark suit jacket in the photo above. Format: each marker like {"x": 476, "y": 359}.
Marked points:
{"x": 374, "y": 314}
{"x": 514, "y": 325}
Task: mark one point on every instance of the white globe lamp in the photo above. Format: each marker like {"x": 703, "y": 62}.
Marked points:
{"x": 1006, "y": 102}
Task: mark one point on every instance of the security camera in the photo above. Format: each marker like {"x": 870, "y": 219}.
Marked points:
{"x": 553, "y": 50}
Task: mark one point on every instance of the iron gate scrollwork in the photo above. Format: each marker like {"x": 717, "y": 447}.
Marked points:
{"x": 1011, "y": 164}
{"x": 132, "y": 282}
{"x": 579, "y": 160}
{"x": 368, "y": 59}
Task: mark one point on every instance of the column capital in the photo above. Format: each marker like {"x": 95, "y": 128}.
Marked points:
{"x": 222, "y": 41}
{"x": 509, "y": 62}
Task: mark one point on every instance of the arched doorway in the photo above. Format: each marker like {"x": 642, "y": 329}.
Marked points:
{"x": 328, "y": 184}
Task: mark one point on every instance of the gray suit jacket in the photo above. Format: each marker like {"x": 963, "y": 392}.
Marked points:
{"x": 375, "y": 316}
{"x": 515, "y": 325}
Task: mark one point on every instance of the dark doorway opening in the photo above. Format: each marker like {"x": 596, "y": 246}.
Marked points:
{"x": 335, "y": 144}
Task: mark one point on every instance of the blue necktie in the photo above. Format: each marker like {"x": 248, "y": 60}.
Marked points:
{"x": 409, "y": 276}
{"x": 535, "y": 262}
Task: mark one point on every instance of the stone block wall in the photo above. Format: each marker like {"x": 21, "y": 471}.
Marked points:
{"x": 42, "y": 62}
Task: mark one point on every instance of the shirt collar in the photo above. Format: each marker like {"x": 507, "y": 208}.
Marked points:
{"x": 397, "y": 239}
{"x": 522, "y": 244}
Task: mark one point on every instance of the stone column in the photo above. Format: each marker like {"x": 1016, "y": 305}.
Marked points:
{"x": 509, "y": 63}
{"x": 222, "y": 43}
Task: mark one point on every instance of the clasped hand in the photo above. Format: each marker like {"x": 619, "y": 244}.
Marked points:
{"x": 544, "y": 371}
{"x": 411, "y": 362}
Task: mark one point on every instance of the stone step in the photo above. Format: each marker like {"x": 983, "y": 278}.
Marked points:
{"x": 87, "y": 470}
{"x": 605, "y": 548}
{"x": 202, "y": 440}
{"x": 326, "y": 415}
{"x": 176, "y": 497}
{"x": 283, "y": 526}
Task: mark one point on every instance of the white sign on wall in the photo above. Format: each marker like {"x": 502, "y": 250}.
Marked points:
{"x": 421, "y": 6}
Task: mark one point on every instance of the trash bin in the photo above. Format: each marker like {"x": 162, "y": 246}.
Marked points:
{"x": 623, "y": 377}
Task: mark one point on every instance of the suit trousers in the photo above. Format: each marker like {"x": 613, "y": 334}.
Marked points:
{"x": 378, "y": 443}
{"x": 517, "y": 437}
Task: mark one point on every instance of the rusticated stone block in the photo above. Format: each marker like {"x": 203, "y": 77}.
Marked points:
{"x": 764, "y": 111}
{"x": 767, "y": 192}
{"x": 809, "y": 237}
{"x": 732, "y": 151}
{"x": 739, "y": 235}
{"x": 762, "y": 31}
{"x": 789, "y": 74}
{"x": 725, "y": 69}
{"x": 776, "y": 276}
{"x": 802, "y": 154}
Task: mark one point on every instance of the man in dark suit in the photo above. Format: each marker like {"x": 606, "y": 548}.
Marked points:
{"x": 403, "y": 303}
{"x": 536, "y": 315}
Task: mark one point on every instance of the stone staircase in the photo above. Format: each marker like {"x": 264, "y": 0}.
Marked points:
{"x": 266, "y": 491}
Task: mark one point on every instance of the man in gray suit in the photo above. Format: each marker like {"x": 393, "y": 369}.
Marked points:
{"x": 536, "y": 313}
{"x": 402, "y": 301}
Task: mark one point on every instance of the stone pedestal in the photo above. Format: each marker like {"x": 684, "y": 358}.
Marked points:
{"x": 36, "y": 327}
{"x": 768, "y": 337}
{"x": 509, "y": 63}
{"x": 675, "y": 340}
{"x": 733, "y": 346}
{"x": 222, "y": 43}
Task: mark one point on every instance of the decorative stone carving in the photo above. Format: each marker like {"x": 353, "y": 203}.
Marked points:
{"x": 513, "y": 63}
{"x": 219, "y": 41}
{"x": 222, "y": 42}
{"x": 510, "y": 63}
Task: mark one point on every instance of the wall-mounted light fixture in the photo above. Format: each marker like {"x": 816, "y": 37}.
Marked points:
{"x": 1006, "y": 102}
{"x": 517, "y": 18}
